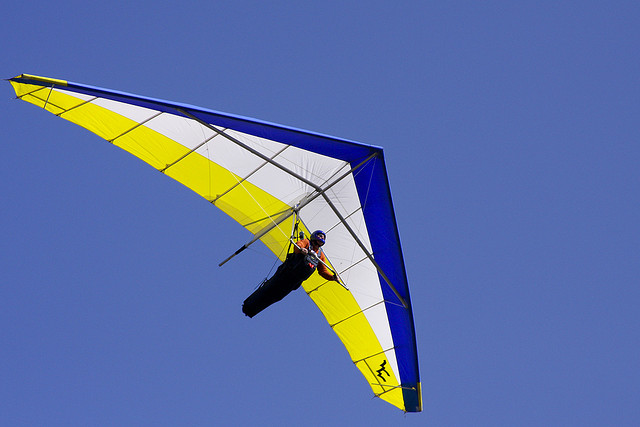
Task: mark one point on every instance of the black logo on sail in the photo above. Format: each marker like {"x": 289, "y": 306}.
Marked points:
{"x": 382, "y": 370}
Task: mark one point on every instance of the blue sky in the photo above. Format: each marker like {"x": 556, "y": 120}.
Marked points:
{"x": 511, "y": 138}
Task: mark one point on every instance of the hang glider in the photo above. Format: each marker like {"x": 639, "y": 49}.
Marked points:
{"x": 263, "y": 175}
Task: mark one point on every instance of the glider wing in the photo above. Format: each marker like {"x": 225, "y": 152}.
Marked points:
{"x": 264, "y": 175}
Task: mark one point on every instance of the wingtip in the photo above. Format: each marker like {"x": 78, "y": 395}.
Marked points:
{"x": 33, "y": 78}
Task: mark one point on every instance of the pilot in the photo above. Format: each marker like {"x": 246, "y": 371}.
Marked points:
{"x": 297, "y": 268}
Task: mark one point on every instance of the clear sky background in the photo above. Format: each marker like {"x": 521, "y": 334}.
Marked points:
{"x": 511, "y": 136}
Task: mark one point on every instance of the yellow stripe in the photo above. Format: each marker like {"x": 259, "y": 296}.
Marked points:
{"x": 246, "y": 203}
{"x": 364, "y": 348}
{"x": 45, "y": 97}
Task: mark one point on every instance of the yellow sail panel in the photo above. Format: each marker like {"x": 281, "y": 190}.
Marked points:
{"x": 335, "y": 302}
{"x": 45, "y": 97}
{"x": 350, "y": 324}
{"x": 381, "y": 379}
{"x": 358, "y": 337}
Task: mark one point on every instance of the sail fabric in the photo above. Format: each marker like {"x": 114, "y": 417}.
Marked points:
{"x": 264, "y": 176}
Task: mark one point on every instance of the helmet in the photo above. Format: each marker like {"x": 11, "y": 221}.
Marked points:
{"x": 319, "y": 236}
